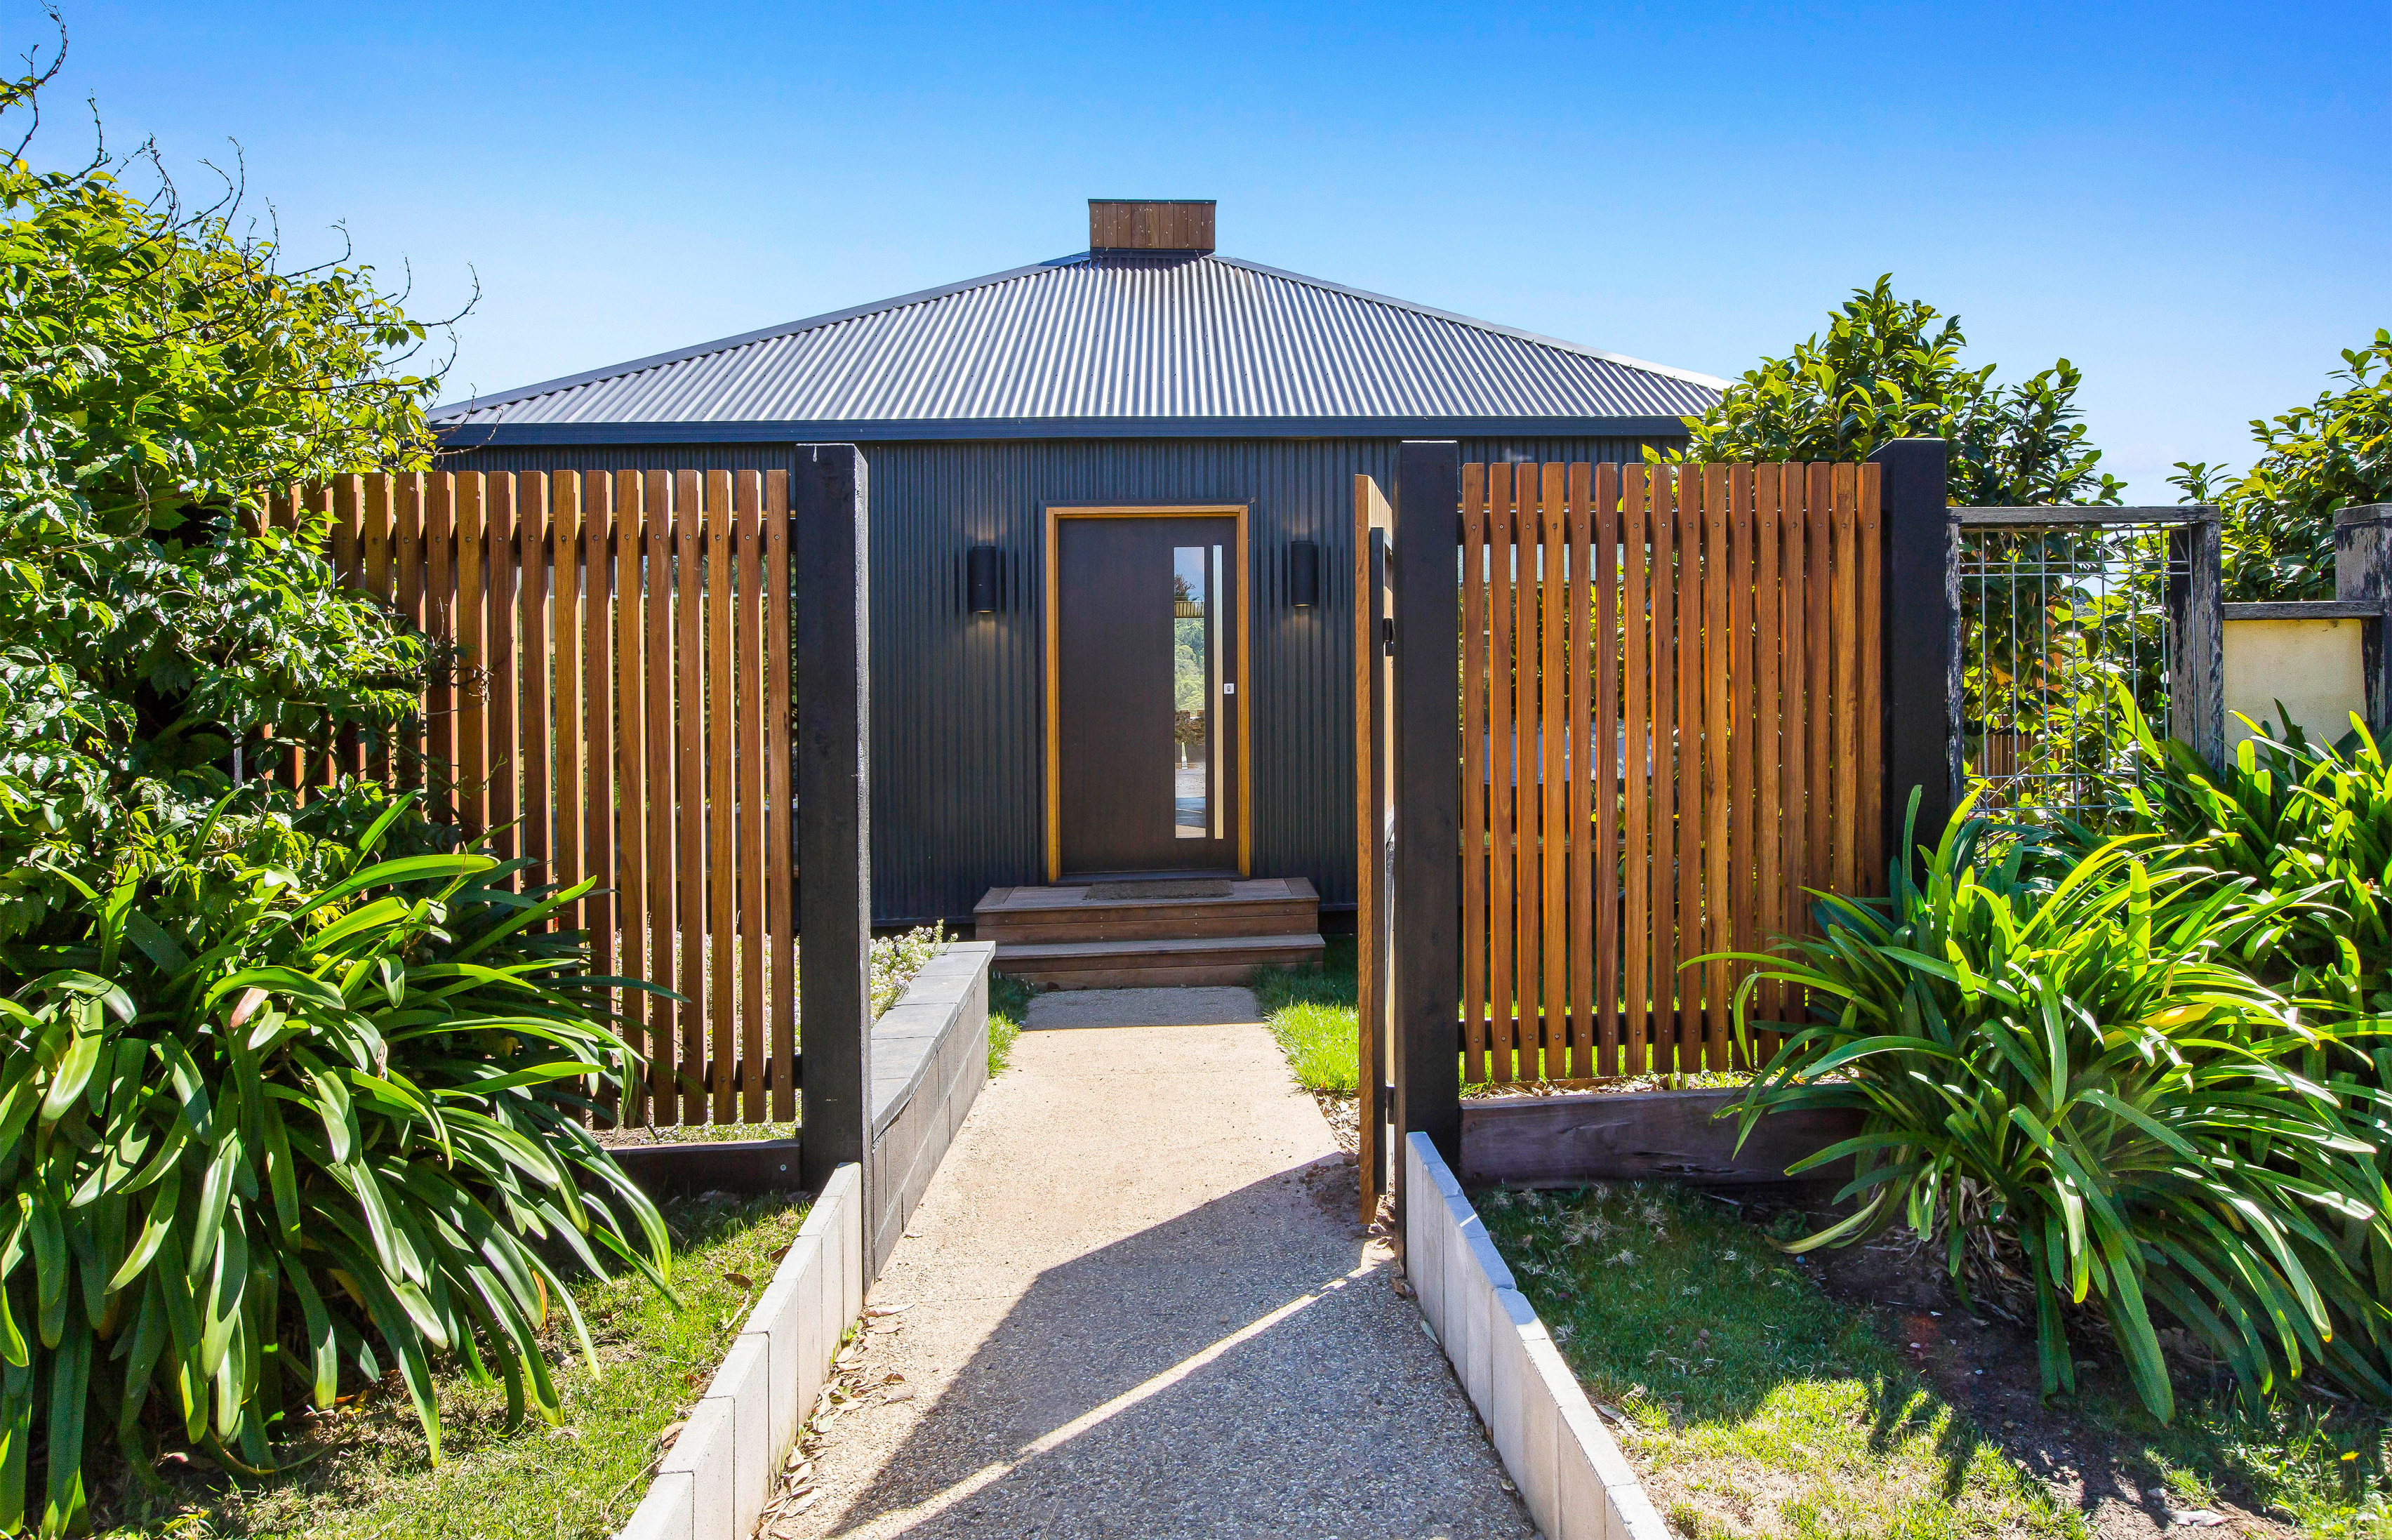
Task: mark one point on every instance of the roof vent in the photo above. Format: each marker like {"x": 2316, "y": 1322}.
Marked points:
{"x": 1151, "y": 224}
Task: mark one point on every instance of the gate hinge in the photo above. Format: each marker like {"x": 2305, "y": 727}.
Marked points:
{"x": 1387, "y": 633}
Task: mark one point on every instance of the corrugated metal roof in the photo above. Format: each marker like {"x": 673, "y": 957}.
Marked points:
{"x": 1109, "y": 338}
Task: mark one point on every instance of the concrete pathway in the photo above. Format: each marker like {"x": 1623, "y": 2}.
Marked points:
{"x": 1136, "y": 1301}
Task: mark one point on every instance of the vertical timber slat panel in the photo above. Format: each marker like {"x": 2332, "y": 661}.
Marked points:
{"x": 747, "y": 724}
{"x": 1690, "y": 768}
{"x": 722, "y": 873}
{"x": 598, "y": 834}
{"x": 1477, "y": 826}
{"x": 1637, "y": 540}
{"x": 1607, "y": 887}
{"x": 1550, "y": 762}
{"x": 1869, "y": 697}
{"x": 656, "y": 728}
{"x": 1818, "y": 521}
{"x": 536, "y": 674}
{"x": 1718, "y": 673}
{"x": 779, "y": 908}
{"x": 569, "y": 803}
{"x": 632, "y": 790}
{"x": 1743, "y": 715}
{"x": 505, "y": 568}
{"x": 1526, "y": 812}
{"x": 1846, "y": 825}
{"x": 1662, "y": 531}
{"x": 1502, "y": 882}
{"x": 439, "y": 622}
{"x": 473, "y": 628}
{"x": 1579, "y": 601}
{"x": 1769, "y": 807}
{"x": 689, "y": 744}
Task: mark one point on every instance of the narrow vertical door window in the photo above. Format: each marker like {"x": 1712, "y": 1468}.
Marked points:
{"x": 1193, "y": 673}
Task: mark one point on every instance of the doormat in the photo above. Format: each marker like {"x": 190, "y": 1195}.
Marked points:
{"x": 1102, "y": 892}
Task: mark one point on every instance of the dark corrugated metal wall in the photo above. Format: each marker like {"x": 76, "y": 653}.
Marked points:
{"x": 957, "y": 698}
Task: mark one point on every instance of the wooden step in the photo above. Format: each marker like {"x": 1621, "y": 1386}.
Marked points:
{"x": 1245, "y": 907}
{"x": 1147, "y": 963}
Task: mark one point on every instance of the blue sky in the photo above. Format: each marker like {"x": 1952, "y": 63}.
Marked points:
{"x": 2191, "y": 201}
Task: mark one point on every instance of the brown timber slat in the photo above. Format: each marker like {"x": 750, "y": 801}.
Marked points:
{"x": 1795, "y": 655}
{"x": 1527, "y": 759}
{"x": 505, "y": 576}
{"x": 1719, "y": 676}
{"x": 1637, "y": 609}
{"x": 1741, "y": 729}
{"x": 598, "y": 718}
{"x": 1818, "y": 521}
{"x": 1869, "y": 690}
{"x": 669, "y": 499}
{"x": 1606, "y": 573}
{"x": 1552, "y": 763}
{"x": 1768, "y": 802}
{"x": 747, "y": 796}
{"x": 1501, "y": 901}
{"x": 1477, "y": 826}
{"x": 1688, "y": 942}
{"x": 373, "y": 545}
{"x": 779, "y": 910}
{"x": 1845, "y": 825}
{"x": 407, "y": 584}
{"x": 1579, "y": 601}
{"x": 536, "y": 674}
{"x": 440, "y": 622}
{"x": 568, "y": 799}
{"x": 630, "y": 779}
{"x": 722, "y": 873}
{"x": 689, "y": 742}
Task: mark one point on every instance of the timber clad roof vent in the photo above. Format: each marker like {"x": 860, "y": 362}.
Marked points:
{"x": 1150, "y": 225}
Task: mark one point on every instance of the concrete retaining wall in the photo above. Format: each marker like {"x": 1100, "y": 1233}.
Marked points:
{"x": 1577, "y": 1483}
{"x": 929, "y": 1059}
{"x": 715, "y": 1480}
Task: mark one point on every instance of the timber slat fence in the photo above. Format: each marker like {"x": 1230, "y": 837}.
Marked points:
{"x": 1671, "y": 727}
{"x": 617, "y": 710}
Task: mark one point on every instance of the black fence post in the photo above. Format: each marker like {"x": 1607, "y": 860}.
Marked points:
{"x": 2196, "y": 611}
{"x": 1922, "y": 638}
{"x": 1427, "y": 919}
{"x": 834, "y": 821}
{"x": 2362, "y": 571}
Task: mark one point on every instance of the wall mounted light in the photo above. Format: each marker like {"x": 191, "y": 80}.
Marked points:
{"x": 981, "y": 579}
{"x": 1303, "y": 574}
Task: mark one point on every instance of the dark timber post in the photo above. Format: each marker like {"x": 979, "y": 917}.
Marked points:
{"x": 834, "y": 830}
{"x": 2197, "y": 671}
{"x": 2362, "y": 571}
{"x": 1922, "y": 638}
{"x": 1427, "y": 924}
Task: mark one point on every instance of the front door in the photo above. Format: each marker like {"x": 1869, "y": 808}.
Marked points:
{"x": 1144, "y": 693}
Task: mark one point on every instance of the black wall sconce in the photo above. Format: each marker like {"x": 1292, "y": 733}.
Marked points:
{"x": 1303, "y": 574}
{"x": 981, "y": 579}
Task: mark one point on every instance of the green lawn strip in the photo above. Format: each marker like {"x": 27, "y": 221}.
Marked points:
{"x": 579, "y": 1479}
{"x": 1758, "y": 1404}
{"x": 1754, "y": 1404}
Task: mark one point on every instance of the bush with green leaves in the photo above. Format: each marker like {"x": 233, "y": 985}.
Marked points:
{"x": 2074, "y": 1070}
{"x": 2314, "y": 461}
{"x": 279, "y": 1115}
{"x": 1886, "y": 371}
{"x": 160, "y": 368}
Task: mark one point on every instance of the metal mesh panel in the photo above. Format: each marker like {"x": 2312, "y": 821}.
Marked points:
{"x": 2056, "y": 619}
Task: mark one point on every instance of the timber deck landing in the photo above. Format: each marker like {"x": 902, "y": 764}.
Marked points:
{"x": 1126, "y": 934}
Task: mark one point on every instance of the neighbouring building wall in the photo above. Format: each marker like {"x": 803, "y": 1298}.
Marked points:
{"x": 956, "y": 698}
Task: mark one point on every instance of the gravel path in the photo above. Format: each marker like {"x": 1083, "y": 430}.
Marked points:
{"x": 1137, "y": 1302}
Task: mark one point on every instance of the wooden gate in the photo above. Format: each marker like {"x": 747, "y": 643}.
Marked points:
{"x": 610, "y": 699}
{"x": 1670, "y": 689}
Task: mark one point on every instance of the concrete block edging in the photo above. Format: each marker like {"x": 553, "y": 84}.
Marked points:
{"x": 719, "y": 1472}
{"x": 1571, "y": 1474}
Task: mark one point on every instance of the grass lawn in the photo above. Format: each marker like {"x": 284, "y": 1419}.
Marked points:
{"x": 1756, "y": 1402}
{"x": 579, "y": 1479}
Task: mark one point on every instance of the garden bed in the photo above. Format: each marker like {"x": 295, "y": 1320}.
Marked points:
{"x": 1854, "y": 1394}
{"x": 367, "y": 1474}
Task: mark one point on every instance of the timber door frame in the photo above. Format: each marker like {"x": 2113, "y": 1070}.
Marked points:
{"x": 1056, "y": 514}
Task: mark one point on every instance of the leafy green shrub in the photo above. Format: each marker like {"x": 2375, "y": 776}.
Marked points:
{"x": 276, "y": 1113}
{"x": 1886, "y": 371}
{"x": 2313, "y": 462}
{"x": 2077, "y": 1064}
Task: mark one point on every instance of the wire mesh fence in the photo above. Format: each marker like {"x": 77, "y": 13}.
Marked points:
{"x": 2066, "y": 614}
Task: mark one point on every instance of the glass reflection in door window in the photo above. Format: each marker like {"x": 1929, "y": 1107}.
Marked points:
{"x": 1192, "y": 693}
